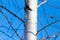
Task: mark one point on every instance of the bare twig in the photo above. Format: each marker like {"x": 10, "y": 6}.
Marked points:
{"x": 11, "y": 13}
{"x": 47, "y": 26}
{"x": 6, "y": 34}
{"x": 9, "y": 28}
{"x": 52, "y": 5}
{"x": 11, "y": 25}
{"x": 43, "y": 2}
{"x": 55, "y": 35}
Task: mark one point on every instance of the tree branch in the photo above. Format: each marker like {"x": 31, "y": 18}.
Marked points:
{"x": 43, "y": 2}
{"x": 11, "y": 13}
{"x": 58, "y": 34}
{"x": 9, "y": 28}
{"x": 47, "y": 26}
{"x": 6, "y": 34}
{"x": 52, "y": 5}
{"x": 11, "y": 25}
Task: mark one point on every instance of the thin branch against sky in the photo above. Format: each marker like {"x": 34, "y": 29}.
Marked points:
{"x": 53, "y": 6}
{"x": 11, "y": 13}
{"x": 48, "y": 25}
{"x": 11, "y": 25}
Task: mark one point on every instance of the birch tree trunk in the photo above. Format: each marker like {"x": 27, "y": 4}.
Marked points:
{"x": 30, "y": 19}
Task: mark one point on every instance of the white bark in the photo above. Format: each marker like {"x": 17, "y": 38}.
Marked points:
{"x": 31, "y": 20}
{"x": 43, "y": 2}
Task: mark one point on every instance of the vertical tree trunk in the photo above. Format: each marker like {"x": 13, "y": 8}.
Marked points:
{"x": 30, "y": 19}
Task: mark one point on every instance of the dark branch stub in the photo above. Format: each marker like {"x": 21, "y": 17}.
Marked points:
{"x": 27, "y": 8}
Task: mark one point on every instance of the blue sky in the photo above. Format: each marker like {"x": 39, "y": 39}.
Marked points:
{"x": 44, "y": 18}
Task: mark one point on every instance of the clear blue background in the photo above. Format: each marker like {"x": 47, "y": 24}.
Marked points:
{"x": 44, "y": 13}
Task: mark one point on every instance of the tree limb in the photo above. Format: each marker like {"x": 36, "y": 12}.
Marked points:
{"x": 6, "y": 34}
{"x": 58, "y": 34}
{"x": 52, "y": 5}
{"x": 11, "y": 13}
{"x": 47, "y": 26}
{"x": 11, "y": 25}
{"x": 43, "y": 2}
